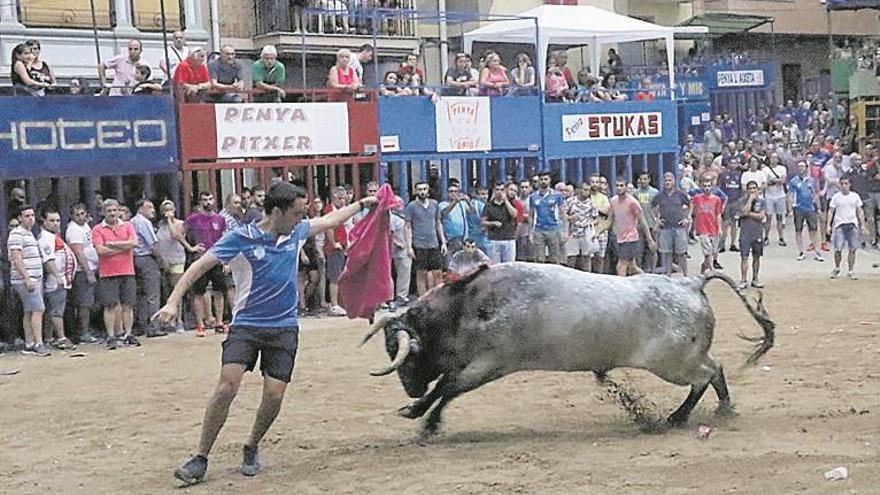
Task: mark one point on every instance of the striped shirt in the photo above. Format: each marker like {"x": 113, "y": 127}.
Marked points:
{"x": 21, "y": 239}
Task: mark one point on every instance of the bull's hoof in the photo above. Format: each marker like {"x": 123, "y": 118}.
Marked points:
{"x": 429, "y": 430}
{"x": 677, "y": 420}
{"x": 726, "y": 411}
{"x": 409, "y": 411}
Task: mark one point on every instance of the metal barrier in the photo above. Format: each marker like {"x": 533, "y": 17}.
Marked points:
{"x": 740, "y": 90}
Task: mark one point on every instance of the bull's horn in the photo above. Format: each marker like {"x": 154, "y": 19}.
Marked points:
{"x": 403, "y": 340}
{"x": 377, "y": 325}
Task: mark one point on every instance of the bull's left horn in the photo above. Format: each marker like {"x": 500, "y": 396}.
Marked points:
{"x": 377, "y": 325}
{"x": 403, "y": 340}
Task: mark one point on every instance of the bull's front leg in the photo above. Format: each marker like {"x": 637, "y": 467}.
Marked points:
{"x": 418, "y": 408}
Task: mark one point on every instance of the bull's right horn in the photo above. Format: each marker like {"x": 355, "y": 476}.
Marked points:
{"x": 378, "y": 325}
{"x": 403, "y": 340}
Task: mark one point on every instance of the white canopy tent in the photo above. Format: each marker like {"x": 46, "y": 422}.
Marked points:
{"x": 575, "y": 25}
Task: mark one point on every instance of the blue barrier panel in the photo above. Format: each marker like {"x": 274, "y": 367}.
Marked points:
{"x": 411, "y": 122}
{"x": 693, "y": 117}
{"x": 81, "y": 136}
{"x": 578, "y": 130}
{"x": 687, "y": 86}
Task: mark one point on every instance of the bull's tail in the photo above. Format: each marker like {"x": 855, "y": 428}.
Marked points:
{"x": 759, "y": 313}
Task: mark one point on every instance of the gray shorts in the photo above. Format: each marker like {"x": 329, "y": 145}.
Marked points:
{"x": 31, "y": 301}
{"x": 776, "y": 206}
{"x": 335, "y": 265}
{"x": 673, "y": 240}
{"x": 56, "y": 302}
{"x": 811, "y": 218}
{"x": 731, "y": 210}
{"x": 708, "y": 245}
{"x": 121, "y": 289}
{"x": 628, "y": 251}
{"x": 83, "y": 292}
{"x": 846, "y": 236}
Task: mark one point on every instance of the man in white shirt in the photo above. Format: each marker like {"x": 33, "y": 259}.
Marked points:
{"x": 177, "y": 53}
{"x": 60, "y": 268}
{"x": 363, "y": 56}
{"x": 774, "y": 194}
{"x": 754, "y": 174}
{"x": 848, "y": 217}
{"x": 79, "y": 238}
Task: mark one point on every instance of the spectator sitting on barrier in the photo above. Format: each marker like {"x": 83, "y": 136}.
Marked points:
{"x": 610, "y": 85}
{"x": 390, "y": 86}
{"x": 587, "y": 92}
{"x": 561, "y": 59}
{"x": 191, "y": 79}
{"x": 268, "y": 76}
{"x": 144, "y": 85}
{"x": 22, "y": 82}
{"x": 123, "y": 70}
{"x": 493, "y": 77}
{"x": 341, "y": 75}
{"x": 459, "y": 79}
{"x": 177, "y": 53}
{"x": 556, "y": 86}
{"x": 39, "y": 70}
{"x": 411, "y": 66}
{"x": 522, "y": 77}
{"x": 363, "y": 56}
{"x": 227, "y": 77}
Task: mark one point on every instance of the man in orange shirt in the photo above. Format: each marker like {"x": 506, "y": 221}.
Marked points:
{"x": 114, "y": 241}
{"x": 191, "y": 78}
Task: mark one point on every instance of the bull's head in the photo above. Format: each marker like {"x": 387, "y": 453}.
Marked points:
{"x": 408, "y": 357}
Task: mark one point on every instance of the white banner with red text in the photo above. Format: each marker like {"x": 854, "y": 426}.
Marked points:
{"x": 604, "y": 126}
{"x": 281, "y": 129}
{"x": 463, "y": 124}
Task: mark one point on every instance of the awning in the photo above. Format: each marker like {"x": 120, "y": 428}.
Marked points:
{"x": 851, "y": 4}
{"x": 720, "y": 23}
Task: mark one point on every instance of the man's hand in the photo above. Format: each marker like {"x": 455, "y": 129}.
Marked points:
{"x": 30, "y": 284}
{"x": 166, "y": 314}
{"x": 227, "y": 270}
{"x": 198, "y": 248}
{"x": 369, "y": 201}
{"x": 652, "y": 245}
{"x": 282, "y": 93}
{"x": 238, "y": 85}
{"x": 443, "y": 249}
{"x": 411, "y": 253}
{"x": 90, "y": 277}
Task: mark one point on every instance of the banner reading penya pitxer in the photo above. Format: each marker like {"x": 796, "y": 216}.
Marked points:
{"x": 281, "y": 129}
{"x": 68, "y": 136}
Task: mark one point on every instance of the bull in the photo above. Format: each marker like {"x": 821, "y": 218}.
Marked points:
{"x": 523, "y": 316}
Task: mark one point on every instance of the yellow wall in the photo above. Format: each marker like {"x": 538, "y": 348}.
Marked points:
{"x": 78, "y": 13}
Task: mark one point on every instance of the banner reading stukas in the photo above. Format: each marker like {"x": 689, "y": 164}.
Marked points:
{"x": 281, "y": 129}
{"x": 596, "y": 127}
{"x": 463, "y": 124}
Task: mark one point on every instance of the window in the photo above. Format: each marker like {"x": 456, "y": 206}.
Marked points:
{"x": 64, "y": 13}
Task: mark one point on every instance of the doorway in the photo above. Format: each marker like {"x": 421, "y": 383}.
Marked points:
{"x": 791, "y": 81}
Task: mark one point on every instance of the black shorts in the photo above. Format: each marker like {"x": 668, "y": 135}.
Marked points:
{"x": 748, "y": 244}
{"x": 276, "y": 348}
{"x": 731, "y": 210}
{"x": 121, "y": 289}
{"x": 217, "y": 278}
{"x": 335, "y": 265}
{"x": 428, "y": 259}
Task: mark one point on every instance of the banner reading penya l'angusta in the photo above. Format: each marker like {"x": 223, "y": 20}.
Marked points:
{"x": 281, "y": 129}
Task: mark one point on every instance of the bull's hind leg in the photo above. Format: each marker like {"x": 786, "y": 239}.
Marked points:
{"x": 725, "y": 407}
{"x": 681, "y": 415}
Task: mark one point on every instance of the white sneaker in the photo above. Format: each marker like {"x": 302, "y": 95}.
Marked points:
{"x": 852, "y": 276}
{"x": 801, "y": 257}
{"x": 835, "y": 273}
{"x": 819, "y": 257}
{"x": 337, "y": 311}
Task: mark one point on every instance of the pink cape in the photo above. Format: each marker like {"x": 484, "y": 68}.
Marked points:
{"x": 365, "y": 282}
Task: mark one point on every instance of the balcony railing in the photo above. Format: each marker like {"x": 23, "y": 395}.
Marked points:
{"x": 342, "y": 17}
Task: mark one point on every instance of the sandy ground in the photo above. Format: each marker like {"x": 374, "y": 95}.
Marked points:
{"x": 120, "y": 422}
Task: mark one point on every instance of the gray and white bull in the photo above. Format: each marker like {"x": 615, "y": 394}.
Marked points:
{"x": 523, "y": 316}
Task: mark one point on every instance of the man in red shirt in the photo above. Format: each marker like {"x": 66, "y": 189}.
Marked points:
{"x": 191, "y": 78}
{"x": 114, "y": 241}
{"x": 626, "y": 217}
{"x": 336, "y": 240}
{"x": 707, "y": 210}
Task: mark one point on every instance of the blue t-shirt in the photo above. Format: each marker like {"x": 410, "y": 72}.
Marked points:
{"x": 475, "y": 227}
{"x": 729, "y": 182}
{"x": 454, "y": 222}
{"x": 545, "y": 206}
{"x": 804, "y": 190}
{"x": 264, "y": 267}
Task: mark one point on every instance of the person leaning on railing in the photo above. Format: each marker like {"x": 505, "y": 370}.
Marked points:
{"x": 21, "y": 73}
{"x": 522, "y": 77}
{"x": 269, "y": 76}
{"x": 493, "y": 77}
{"x": 191, "y": 78}
{"x": 459, "y": 79}
{"x": 341, "y": 75}
{"x": 227, "y": 77}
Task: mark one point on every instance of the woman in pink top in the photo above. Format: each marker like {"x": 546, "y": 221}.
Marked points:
{"x": 493, "y": 77}
{"x": 341, "y": 75}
